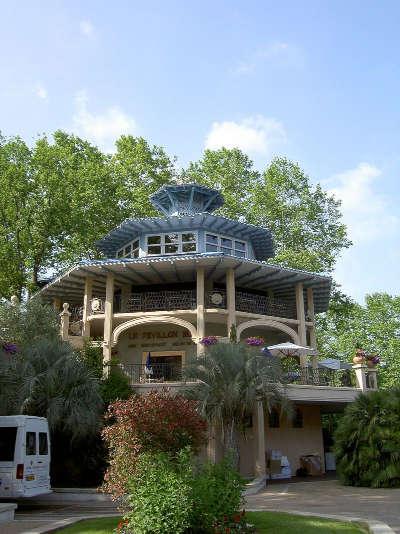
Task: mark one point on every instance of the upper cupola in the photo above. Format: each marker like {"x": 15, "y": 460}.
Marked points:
{"x": 186, "y": 199}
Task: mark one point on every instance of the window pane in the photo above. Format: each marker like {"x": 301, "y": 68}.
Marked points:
{"x": 43, "y": 446}
{"x": 226, "y": 250}
{"x": 240, "y": 254}
{"x": 135, "y": 253}
{"x": 188, "y": 237}
{"x": 226, "y": 242}
{"x": 189, "y": 247}
{"x": 30, "y": 443}
{"x": 210, "y": 238}
{"x": 135, "y": 244}
{"x": 127, "y": 250}
{"x": 239, "y": 245}
{"x": 154, "y": 239}
{"x": 171, "y": 249}
{"x": 171, "y": 238}
{"x": 8, "y": 435}
{"x": 211, "y": 248}
{"x": 154, "y": 249}
{"x": 120, "y": 253}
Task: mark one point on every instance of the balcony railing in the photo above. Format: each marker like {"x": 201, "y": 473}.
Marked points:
{"x": 168, "y": 372}
{"x": 320, "y": 377}
{"x": 157, "y": 372}
{"x": 185, "y": 299}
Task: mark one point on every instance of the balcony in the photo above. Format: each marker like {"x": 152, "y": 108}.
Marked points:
{"x": 185, "y": 299}
{"x": 173, "y": 372}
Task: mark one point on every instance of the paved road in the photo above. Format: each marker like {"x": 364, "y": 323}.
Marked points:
{"x": 34, "y": 517}
{"x": 329, "y": 497}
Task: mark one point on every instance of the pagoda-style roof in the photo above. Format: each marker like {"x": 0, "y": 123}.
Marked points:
{"x": 260, "y": 238}
{"x": 186, "y": 199}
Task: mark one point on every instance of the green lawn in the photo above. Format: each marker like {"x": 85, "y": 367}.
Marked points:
{"x": 266, "y": 522}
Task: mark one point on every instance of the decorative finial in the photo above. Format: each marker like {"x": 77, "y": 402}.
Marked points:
{"x": 14, "y": 300}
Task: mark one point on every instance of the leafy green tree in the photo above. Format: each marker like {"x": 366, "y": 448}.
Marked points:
{"x": 305, "y": 220}
{"x": 44, "y": 377}
{"x": 230, "y": 378}
{"x": 374, "y": 326}
{"x": 367, "y": 441}
{"x": 63, "y": 194}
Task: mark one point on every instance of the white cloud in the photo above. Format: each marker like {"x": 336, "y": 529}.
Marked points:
{"x": 279, "y": 53}
{"x": 101, "y": 128}
{"x": 366, "y": 211}
{"x": 256, "y": 135}
{"x": 41, "y": 91}
{"x": 86, "y": 28}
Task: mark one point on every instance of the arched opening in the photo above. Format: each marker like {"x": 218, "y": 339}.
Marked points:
{"x": 154, "y": 349}
{"x": 272, "y": 331}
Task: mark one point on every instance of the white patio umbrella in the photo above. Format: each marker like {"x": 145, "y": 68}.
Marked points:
{"x": 290, "y": 349}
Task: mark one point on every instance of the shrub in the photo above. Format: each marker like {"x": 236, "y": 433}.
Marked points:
{"x": 367, "y": 441}
{"x": 160, "y": 495}
{"x": 156, "y": 422}
{"x": 217, "y": 496}
{"x": 115, "y": 386}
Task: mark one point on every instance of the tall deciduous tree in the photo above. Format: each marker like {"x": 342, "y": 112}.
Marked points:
{"x": 63, "y": 194}
{"x": 305, "y": 220}
{"x": 374, "y": 326}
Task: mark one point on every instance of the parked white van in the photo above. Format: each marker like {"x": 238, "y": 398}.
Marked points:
{"x": 24, "y": 456}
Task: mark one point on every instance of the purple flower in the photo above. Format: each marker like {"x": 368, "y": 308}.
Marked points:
{"x": 209, "y": 340}
{"x": 375, "y": 360}
{"x": 255, "y": 341}
{"x": 10, "y": 348}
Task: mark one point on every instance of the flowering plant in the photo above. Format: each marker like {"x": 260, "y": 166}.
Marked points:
{"x": 236, "y": 523}
{"x": 9, "y": 348}
{"x": 209, "y": 340}
{"x": 255, "y": 341}
{"x": 374, "y": 358}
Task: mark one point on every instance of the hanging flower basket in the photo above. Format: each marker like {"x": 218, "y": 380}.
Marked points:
{"x": 209, "y": 340}
{"x": 255, "y": 341}
{"x": 373, "y": 360}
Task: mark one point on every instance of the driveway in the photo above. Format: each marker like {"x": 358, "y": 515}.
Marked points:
{"x": 329, "y": 497}
{"x": 34, "y": 517}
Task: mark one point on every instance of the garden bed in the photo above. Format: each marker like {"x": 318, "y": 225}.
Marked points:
{"x": 265, "y": 522}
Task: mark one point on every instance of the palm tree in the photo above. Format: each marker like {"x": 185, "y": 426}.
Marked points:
{"x": 47, "y": 379}
{"x": 229, "y": 380}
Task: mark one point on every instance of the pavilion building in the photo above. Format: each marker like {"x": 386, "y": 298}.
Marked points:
{"x": 167, "y": 282}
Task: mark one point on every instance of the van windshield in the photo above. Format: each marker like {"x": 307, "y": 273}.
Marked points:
{"x": 8, "y": 435}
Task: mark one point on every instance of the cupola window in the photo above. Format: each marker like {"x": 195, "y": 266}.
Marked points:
{"x": 227, "y": 245}
{"x": 173, "y": 243}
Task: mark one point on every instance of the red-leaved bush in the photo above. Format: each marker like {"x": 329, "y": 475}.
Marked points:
{"x": 158, "y": 421}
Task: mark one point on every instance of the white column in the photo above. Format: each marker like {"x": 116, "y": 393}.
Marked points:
{"x": 311, "y": 318}
{"x": 259, "y": 437}
{"x": 64, "y": 326}
{"x": 86, "y": 306}
{"x": 108, "y": 318}
{"x": 230, "y": 298}
{"x": 361, "y": 376}
{"x": 301, "y": 317}
{"x": 200, "y": 307}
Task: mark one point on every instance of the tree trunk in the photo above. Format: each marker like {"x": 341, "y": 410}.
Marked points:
{"x": 231, "y": 444}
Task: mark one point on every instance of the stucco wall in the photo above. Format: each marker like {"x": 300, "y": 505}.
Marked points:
{"x": 296, "y": 442}
{"x": 154, "y": 337}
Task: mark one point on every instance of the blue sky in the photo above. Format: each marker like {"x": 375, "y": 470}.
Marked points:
{"x": 316, "y": 81}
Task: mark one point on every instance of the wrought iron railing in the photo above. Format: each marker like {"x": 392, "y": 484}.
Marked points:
{"x": 264, "y": 305}
{"x": 184, "y": 299}
{"x": 157, "y": 372}
{"x": 320, "y": 377}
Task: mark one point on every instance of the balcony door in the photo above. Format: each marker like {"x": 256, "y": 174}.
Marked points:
{"x": 165, "y": 365}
